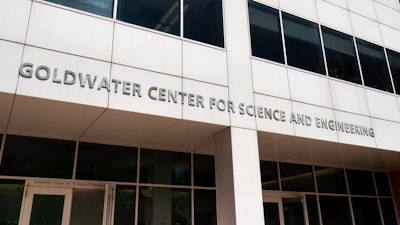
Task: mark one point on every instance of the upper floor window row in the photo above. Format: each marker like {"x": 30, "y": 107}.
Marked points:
{"x": 199, "y": 20}
{"x": 284, "y": 38}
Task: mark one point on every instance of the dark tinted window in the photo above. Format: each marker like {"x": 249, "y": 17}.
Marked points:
{"x": 366, "y": 211}
{"x": 205, "y": 211}
{"x": 303, "y": 44}
{"x": 106, "y": 162}
{"x": 360, "y": 182}
{"x": 394, "y": 61}
{"x": 335, "y": 210}
{"x": 374, "y": 66}
{"x": 99, "y": 7}
{"x": 265, "y": 32}
{"x": 296, "y": 177}
{"x": 37, "y": 157}
{"x": 388, "y": 211}
{"x": 124, "y": 205}
{"x": 164, "y": 206}
{"x": 269, "y": 175}
{"x": 162, "y": 15}
{"x": 161, "y": 167}
{"x": 203, "y": 21}
{"x": 327, "y": 176}
{"x": 204, "y": 170}
{"x": 312, "y": 210}
{"x": 341, "y": 56}
{"x": 11, "y": 192}
{"x": 382, "y": 183}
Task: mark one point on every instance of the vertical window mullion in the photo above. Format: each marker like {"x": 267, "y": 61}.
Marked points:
{"x": 323, "y": 50}
{"x": 359, "y": 62}
{"x": 390, "y": 71}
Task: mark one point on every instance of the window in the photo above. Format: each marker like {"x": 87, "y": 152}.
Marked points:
{"x": 341, "y": 56}
{"x": 265, "y": 32}
{"x": 295, "y": 177}
{"x": 162, "y": 15}
{"x": 366, "y": 211}
{"x": 327, "y": 176}
{"x": 394, "y": 61}
{"x": 203, "y": 21}
{"x": 204, "y": 170}
{"x": 303, "y": 44}
{"x": 106, "y": 162}
{"x": 335, "y": 210}
{"x": 374, "y": 67}
{"x": 205, "y": 207}
{"x": 99, "y": 7}
{"x": 360, "y": 182}
{"x": 269, "y": 175}
{"x": 382, "y": 184}
{"x": 37, "y": 157}
{"x": 388, "y": 211}
{"x": 124, "y": 205}
{"x": 11, "y": 192}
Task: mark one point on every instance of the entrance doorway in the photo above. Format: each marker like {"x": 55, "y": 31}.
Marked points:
{"x": 289, "y": 209}
{"x": 66, "y": 203}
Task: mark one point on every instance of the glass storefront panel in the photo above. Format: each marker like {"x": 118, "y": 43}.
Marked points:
{"x": 335, "y": 210}
{"x": 47, "y": 210}
{"x": 330, "y": 180}
{"x": 382, "y": 184}
{"x": 312, "y": 209}
{"x": 388, "y": 211}
{"x": 99, "y": 7}
{"x": 204, "y": 170}
{"x": 296, "y": 177}
{"x": 205, "y": 211}
{"x": 106, "y": 162}
{"x": 124, "y": 205}
{"x": 265, "y": 32}
{"x": 293, "y": 211}
{"x": 360, "y": 182}
{"x": 366, "y": 211}
{"x": 37, "y": 157}
{"x": 162, "y": 167}
{"x": 269, "y": 175}
{"x": 271, "y": 213}
{"x": 11, "y": 192}
{"x": 87, "y": 207}
{"x": 159, "y": 205}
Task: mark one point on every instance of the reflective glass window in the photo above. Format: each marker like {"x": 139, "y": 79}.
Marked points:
{"x": 312, "y": 210}
{"x": 161, "y": 15}
{"x": 374, "y": 67}
{"x": 327, "y": 176}
{"x": 271, "y": 213}
{"x": 203, "y": 21}
{"x": 394, "y": 61}
{"x": 293, "y": 212}
{"x": 47, "y": 209}
{"x": 341, "y": 55}
{"x": 269, "y": 175}
{"x": 204, "y": 170}
{"x": 99, "y": 7}
{"x": 366, "y": 211}
{"x": 382, "y": 183}
{"x": 205, "y": 211}
{"x": 303, "y": 44}
{"x": 11, "y": 192}
{"x": 162, "y": 167}
{"x": 106, "y": 162}
{"x": 164, "y": 206}
{"x": 37, "y": 157}
{"x": 265, "y": 32}
{"x": 360, "y": 182}
{"x": 388, "y": 211}
{"x": 124, "y": 205}
{"x": 335, "y": 210}
{"x": 87, "y": 207}
{"x": 295, "y": 177}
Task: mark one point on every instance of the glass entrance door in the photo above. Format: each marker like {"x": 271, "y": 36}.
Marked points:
{"x": 67, "y": 205}
{"x": 284, "y": 211}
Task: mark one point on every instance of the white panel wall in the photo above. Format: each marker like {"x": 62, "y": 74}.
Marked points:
{"x": 270, "y": 79}
{"x": 204, "y": 63}
{"x": 334, "y": 16}
{"x": 341, "y": 3}
{"x": 52, "y": 89}
{"x": 10, "y": 59}
{"x": 309, "y": 88}
{"x": 305, "y": 8}
{"x": 273, "y": 3}
{"x": 145, "y": 104}
{"x": 208, "y": 114}
{"x": 390, "y": 37}
{"x": 147, "y": 50}
{"x": 390, "y": 3}
{"x": 382, "y": 105}
{"x": 14, "y": 15}
{"x": 387, "y": 15}
{"x": 362, "y": 7}
{"x": 70, "y": 32}
{"x": 372, "y": 34}
{"x": 387, "y": 135}
{"x": 281, "y": 124}
{"x": 349, "y": 97}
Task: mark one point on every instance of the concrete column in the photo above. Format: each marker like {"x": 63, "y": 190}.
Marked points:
{"x": 239, "y": 194}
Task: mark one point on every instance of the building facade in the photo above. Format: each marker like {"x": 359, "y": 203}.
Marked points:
{"x": 178, "y": 112}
